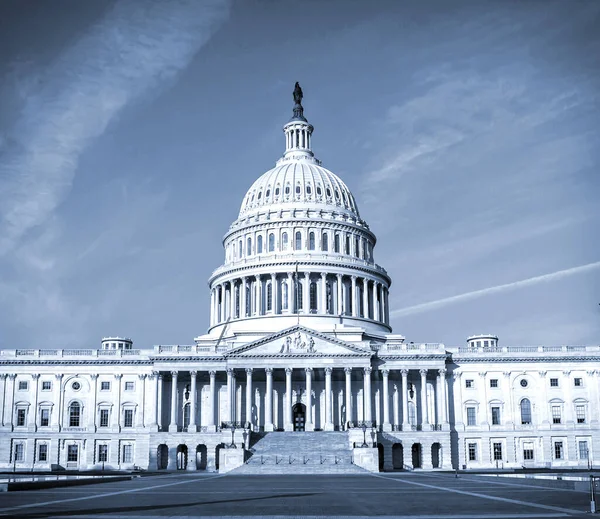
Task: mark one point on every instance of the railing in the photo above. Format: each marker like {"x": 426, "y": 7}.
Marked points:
{"x": 529, "y": 349}
{"x": 427, "y": 346}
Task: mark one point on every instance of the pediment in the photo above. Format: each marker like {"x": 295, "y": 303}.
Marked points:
{"x": 299, "y": 341}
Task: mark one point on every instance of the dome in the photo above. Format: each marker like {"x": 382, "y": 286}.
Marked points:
{"x": 299, "y": 182}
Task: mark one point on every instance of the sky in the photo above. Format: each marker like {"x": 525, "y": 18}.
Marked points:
{"x": 131, "y": 130}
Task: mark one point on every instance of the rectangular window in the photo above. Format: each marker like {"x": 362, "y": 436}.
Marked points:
{"x": 493, "y": 382}
{"x": 19, "y": 452}
{"x": 495, "y": 416}
{"x": 578, "y": 382}
{"x": 104, "y": 386}
{"x": 129, "y": 386}
{"x": 472, "y": 452}
{"x": 102, "y": 453}
{"x": 127, "y": 453}
{"x": 584, "y": 452}
{"x": 497, "y": 451}
{"x": 128, "y": 418}
{"x": 44, "y": 417}
{"x": 73, "y": 453}
{"x": 471, "y": 416}
{"x": 580, "y": 411}
{"x": 23, "y": 385}
{"x": 46, "y": 385}
{"x": 528, "y": 451}
{"x": 558, "y": 450}
{"x": 469, "y": 383}
{"x": 556, "y": 415}
{"x": 553, "y": 382}
{"x": 43, "y": 452}
{"x": 21, "y": 417}
{"x": 103, "y": 417}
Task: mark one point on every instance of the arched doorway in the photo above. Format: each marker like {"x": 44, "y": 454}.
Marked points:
{"x": 398, "y": 456}
{"x": 182, "y": 454}
{"x": 299, "y": 416}
{"x": 162, "y": 456}
{"x": 201, "y": 455}
{"x": 416, "y": 455}
{"x": 217, "y": 452}
{"x": 380, "y": 453}
{"x": 436, "y": 455}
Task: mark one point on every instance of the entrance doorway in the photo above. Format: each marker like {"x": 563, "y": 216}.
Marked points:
{"x": 299, "y": 415}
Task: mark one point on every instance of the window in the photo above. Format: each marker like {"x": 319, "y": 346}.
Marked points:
{"x": 23, "y": 385}
{"x": 74, "y": 414}
{"x": 19, "y": 452}
{"x": 21, "y": 416}
{"x": 308, "y": 189}
{"x": 46, "y": 385}
{"x": 336, "y": 243}
{"x": 555, "y": 414}
{"x": 298, "y": 240}
{"x": 525, "y": 411}
{"x": 325, "y": 242}
{"x": 277, "y": 191}
{"x": 328, "y": 192}
{"x": 76, "y": 386}
{"x": 578, "y": 382}
{"x": 127, "y": 453}
{"x": 528, "y": 451}
{"x": 347, "y": 245}
{"x": 102, "y": 453}
{"x": 240, "y": 248}
{"x": 584, "y": 452}
{"x": 287, "y": 190}
{"x": 313, "y": 296}
{"x": 128, "y": 418}
{"x": 497, "y": 451}
{"x": 471, "y": 416}
{"x": 271, "y": 242}
{"x": 356, "y": 247}
{"x": 472, "y": 452}
{"x": 104, "y": 417}
{"x": 524, "y": 383}
{"x": 493, "y": 382}
{"x": 269, "y": 297}
{"x": 311, "y": 241}
{"x": 299, "y": 296}
{"x": 298, "y": 190}
{"x": 580, "y": 413}
{"x": 284, "y": 295}
{"x": 43, "y": 452}
{"x": 495, "y": 415}
{"x": 73, "y": 453}
{"x": 248, "y": 246}
{"x": 186, "y": 415}
{"x": 259, "y": 244}
{"x": 104, "y": 386}
{"x": 558, "y": 450}
{"x": 284, "y": 241}
{"x": 129, "y": 386}
{"x": 44, "y": 417}
{"x": 469, "y": 383}
{"x": 412, "y": 413}
{"x": 319, "y": 191}
{"x": 553, "y": 382}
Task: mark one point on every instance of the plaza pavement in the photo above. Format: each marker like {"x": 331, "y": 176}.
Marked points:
{"x": 403, "y": 495}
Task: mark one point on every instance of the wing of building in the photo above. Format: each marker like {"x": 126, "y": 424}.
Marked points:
{"x": 299, "y": 359}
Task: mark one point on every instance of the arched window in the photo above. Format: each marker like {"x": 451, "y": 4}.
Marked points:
{"x": 325, "y": 242}
{"x": 271, "y": 242}
{"x": 249, "y": 293}
{"x": 240, "y": 249}
{"x": 298, "y": 240}
{"x": 525, "y": 411}
{"x": 269, "y": 296}
{"x": 311, "y": 240}
{"x": 336, "y": 243}
{"x": 284, "y": 295}
{"x": 74, "y": 414}
{"x": 357, "y": 247}
{"x": 364, "y": 250}
{"x": 284, "y": 241}
{"x": 313, "y": 296}
{"x": 259, "y": 241}
{"x": 249, "y": 247}
{"x": 347, "y": 247}
{"x": 299, "y": 296}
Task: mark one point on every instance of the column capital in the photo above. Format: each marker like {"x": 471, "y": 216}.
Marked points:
{"x": 542, "y": 374}
{"x": 482, "y": 374}
{"x": 193, "y": 373}
{"x": 3, "y": 376}
{"x": 118, "y": 376}
{"x": 347, "y": 370}
{"x": 442, "y": 372}
{"x": 243, "y": 278}
{"x": 323, "y": 275}
{"x": 269, "y": 371}
{"x": 566, "y": 372}
{"x": 288, "y": 371}
{"x": 249, "y": 371}
{"x": 35, "y": 376}
{"x": 308, "y": 370}
{"x": 257, "y": 277}
{"x": 58, "y": 376}
{"x": 142, "y": 376}
{"x": 368, "y": 370}
{"x": 354, "y": 278}
{"x": 328, "y": 370}
{"x": 212, "y": 373}
{"x": 273, "y": 274}
{"x": 385, "y": 372}
{"x": 423, "y": 372}
{"x": 155, "y": 374}
{"x": 229, "y": 371}
{"x": 404, "y": 372}
{"x": 290, "y": 275}
{"x": 94, "y": 376}
{"x": 12, "y": 376}
{"x": 506, "y": 374}
{"x": 458, "y": 374}
{"x": 174, "y": 373}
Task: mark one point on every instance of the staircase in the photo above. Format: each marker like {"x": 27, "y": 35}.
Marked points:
{"x": 299, "y": 453}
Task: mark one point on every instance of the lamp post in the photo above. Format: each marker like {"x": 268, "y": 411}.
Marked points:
{"x": 232, "y": 446}
{"x": 364, "y": 428}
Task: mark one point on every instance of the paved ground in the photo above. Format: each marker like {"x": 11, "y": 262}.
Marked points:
{"x": 391, "y": 495}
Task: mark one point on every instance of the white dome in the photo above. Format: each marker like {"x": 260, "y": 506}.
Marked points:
{"x": 297, "y": 182}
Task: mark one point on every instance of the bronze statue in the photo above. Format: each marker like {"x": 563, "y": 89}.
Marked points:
{"x": 298, "y": 94}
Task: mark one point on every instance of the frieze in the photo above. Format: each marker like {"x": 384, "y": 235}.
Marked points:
{"x": 301, "y": 343}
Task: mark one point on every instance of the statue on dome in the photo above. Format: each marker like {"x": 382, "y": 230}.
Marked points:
{"x": 298, "y": 95}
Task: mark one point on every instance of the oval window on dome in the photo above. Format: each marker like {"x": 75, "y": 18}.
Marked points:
{"x": 337, "y": 195}
{"x": 298, "y": 189}
{"x": 268, "y": 193}
{"x": 287, "y": 190}
{"x": 277, "y": 191}
{"x": 259, "y": 195}
{"x": 252, "y": 199}
{"x": 328, "y": 193}
{"x": 319, "y": 191}
{"x": 308, "y": 190}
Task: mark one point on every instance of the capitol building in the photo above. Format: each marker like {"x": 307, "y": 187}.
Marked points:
{"x": 299, "y": 370}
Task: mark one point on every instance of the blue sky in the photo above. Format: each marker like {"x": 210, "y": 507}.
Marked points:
{"x": 130, "y": 132}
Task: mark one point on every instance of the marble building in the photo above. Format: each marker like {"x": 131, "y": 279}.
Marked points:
{"x": 299, "y": 343}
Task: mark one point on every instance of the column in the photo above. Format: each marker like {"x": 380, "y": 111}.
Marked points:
{"x": 93, "y": 413}
{"x": 249, "y": 397}
{"x": 31, "y": 419}
{"x": 328, "y": 421}
{"x": 259, "y": 293}
{"x": 383, "y": 306}
{"x": 323, "y": 292}
{"x": 154, "y": 377}
{"x": 211, "y": 409}
{"x": 424, "y": 409}
{"x": 367, "y": 394}
{"x": 56, "y": 409}
{"x": 306, "y": 294}
{"x": 159, "y": 395}
{"x": 353, "y": 298}
{"x": 269, "y": 401}
{"x": 274, "y": 294}
{"x": 309, "y": 425}
{"x": 243, "y": 297}
{"x": 375, "y": 304}
{"x": 230, "y": 395}
{"x": 232, "y": 299}
{"x": 117, "y": 426}
{"x": 396, "y": 411}
{"x": 291, "y": 291}
{"x": 141, "y": 398}
{"x": 288, "y": 426}
{"x": 173, "y": 423}
{"x": 349, "y": 418}
{"x": 221, "y": 299}
{"x": 386, "y": 401}
{"x": 212, "y": 307}
{"x": 3, "y": 401}
{"x": 405, "y": 424}
{"x": 443, "y": 397}
{"x": 192, "y": 425}
{"x": 458, "y": 406}
{"x": 340, "y": 302}
{"x": 365, "y": 298}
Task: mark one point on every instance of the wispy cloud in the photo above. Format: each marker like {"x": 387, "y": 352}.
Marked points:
{"x": 135, "y": 48}
{"x": 468, "y": 296}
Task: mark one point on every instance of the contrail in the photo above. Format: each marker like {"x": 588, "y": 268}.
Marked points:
{"x": 431, "y": 305}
